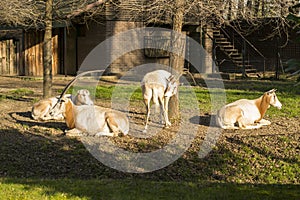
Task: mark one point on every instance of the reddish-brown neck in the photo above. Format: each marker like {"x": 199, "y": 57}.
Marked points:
{"x": 69, "y": 115}
{"x": 262, "y": 104}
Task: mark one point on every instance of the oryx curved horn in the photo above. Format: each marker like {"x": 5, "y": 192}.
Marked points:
{"x": 177, "y": 77}
{"x": 191, "y": 75}
{"x": 174, "y": 77}
{"x": 78, "y": 76}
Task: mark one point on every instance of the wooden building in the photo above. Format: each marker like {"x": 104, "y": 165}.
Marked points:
{"x": 21, "y": 52}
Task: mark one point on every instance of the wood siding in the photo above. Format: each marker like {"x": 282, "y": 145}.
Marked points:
{"x": 9, "y": 62}
{"x": 33, "y": 53}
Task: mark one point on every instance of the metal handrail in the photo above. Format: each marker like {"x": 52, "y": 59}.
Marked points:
{"x": 245, "y": 39}
{"x": 248, "y": 42}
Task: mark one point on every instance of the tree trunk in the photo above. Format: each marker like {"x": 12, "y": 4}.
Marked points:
{"x": 178, "y": 20}
{"x": 47, "y": 51}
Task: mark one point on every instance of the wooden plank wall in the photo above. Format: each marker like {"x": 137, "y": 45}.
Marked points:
{"x": 8, "y": 61}
{"x": 33, "y": 45}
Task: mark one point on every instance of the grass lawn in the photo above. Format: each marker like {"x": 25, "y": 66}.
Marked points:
{"x": 23, "y": 189}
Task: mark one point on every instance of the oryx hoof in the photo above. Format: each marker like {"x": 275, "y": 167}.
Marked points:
{"x": 73, "y": 132}
{"x": 168, "y": 124}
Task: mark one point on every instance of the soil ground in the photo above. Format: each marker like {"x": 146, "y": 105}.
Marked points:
{"x": 40, "y": 149}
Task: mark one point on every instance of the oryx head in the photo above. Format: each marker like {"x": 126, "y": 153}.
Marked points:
{"x": 59, "y": 107}
{"x": 273, "y": 100}
{"x": 172, "y": 86}
{"x": 83, "y": 97}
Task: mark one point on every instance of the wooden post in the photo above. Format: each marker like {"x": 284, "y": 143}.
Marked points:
{"x": 1, "y": 58}
{"x": 31, "y": 54}
{"x": 37, "y": 54}
{"x": 277, "y": 59}
{"x": 65, "y": 52}
{"x": 11, "y": 57}
{"x": 54, "y": 54}
{"x": 18, "y": 55}
{"x": 208, "y": 44}
{"x": 40, "y": 53}
{"x": 244, "y": 74}
{"x": 4, "y": 58}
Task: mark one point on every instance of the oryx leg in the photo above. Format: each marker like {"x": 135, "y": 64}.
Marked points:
{"x": 74, "y": 132}
{"x": 259, "y": 124}
{"x": 147, "y": 103}
{"x": 264, "y": 122}
{"x": 112, "y": 124}
{"x": 229, "y": 127}
{"x": 147, "y": 93}
{"x": 104, "y": 134}
{"x": 58, "y": 117}
{"x": 165, "y": 105}
{"x": 254, "y": 126}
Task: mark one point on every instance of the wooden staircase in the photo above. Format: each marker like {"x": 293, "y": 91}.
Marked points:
{"x": 232, "y": 52}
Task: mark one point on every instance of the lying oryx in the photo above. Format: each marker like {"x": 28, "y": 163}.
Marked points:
{"x": 90, "y": 119}
{"x": 248, "y": 114}
{"x": 159, "y": 86}
{"x": 82, "y": 97}
{"x": 41, "y": 109}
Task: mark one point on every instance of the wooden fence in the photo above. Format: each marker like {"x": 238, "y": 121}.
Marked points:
{"x": 24, "y": 55}
{"x": 33, "y": 45}
{"x": 9, "y": 57}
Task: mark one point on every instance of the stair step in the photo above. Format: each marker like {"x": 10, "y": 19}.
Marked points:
{"x": 232, "y": 51}
{"x": 221, "y": 40}
{"x": 247, "y": 66}
{"x": 251, "y": 70}
{"x": 236, "y": 55}
{"x": 228, "y": 47}
{"x": 219, "y": 35}
{"x": 238, "y": 61}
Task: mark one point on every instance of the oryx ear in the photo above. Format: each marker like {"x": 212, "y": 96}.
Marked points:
{"x": 171, "y": 77}
{"x": 64, "y": 99}
{"x": 271, "y": 91}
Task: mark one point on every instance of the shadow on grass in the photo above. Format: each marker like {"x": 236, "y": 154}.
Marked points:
{"x": 262, "y": 151}
{"x": 62, "y": 165}
{"x": 53, "y": 166}
{"x": 24, "y": 118}
{"x": 205, "y": 120}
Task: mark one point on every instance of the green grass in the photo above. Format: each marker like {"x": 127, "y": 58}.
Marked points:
{"x": 2, "y": 97}
{"x": 21, "y": 92}
{"x": 17, "y": 94}
{"x": 139, "y": 189}
{"x": 286, "y": 92}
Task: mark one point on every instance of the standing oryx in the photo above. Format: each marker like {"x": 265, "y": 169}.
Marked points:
{"x": 160, "y": 86}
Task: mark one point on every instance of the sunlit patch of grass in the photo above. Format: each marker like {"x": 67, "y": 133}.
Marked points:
{"x": 139, "y": 189}
{"x": 2, "y": 97}
{"x": 210, "y": 100}
{"x": 21, "y": 92}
